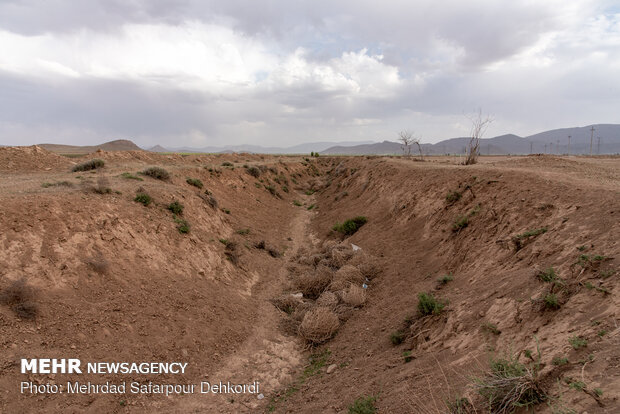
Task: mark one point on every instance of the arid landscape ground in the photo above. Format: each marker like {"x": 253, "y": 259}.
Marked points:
{"x": 508, "y": 267}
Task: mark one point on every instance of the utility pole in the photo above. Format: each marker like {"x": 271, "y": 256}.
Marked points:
{"x": 598, "y": 146}
{"x": 545, "y": 148}
{"x": 591, "y": 138}
{"x": 569, "y": 145}
{"x": 531, "y": 146}
{"x": 557, "y": 147}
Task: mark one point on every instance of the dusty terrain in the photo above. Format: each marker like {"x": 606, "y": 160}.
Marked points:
{"x": 105, "y": 278}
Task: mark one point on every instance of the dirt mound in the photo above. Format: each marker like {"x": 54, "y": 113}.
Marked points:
{"x": 33, "y": 158}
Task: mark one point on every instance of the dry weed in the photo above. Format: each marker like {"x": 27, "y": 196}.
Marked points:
{"x": 313, "y": 283}
{"x": 367, "y": 265}
{"x": 327, "y": 300}
{"x": 345, "y": 276}
{"x": 354, "y": 296}
{"x": 319, "y": 325}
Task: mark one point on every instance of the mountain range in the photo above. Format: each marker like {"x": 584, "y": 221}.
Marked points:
{"x": 605, "y": 140}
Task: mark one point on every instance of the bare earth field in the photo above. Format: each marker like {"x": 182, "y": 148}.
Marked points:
{"x": 521, "y": 254}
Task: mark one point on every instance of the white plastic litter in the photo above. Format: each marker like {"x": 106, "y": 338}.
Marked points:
{"x": 355, "y": 247}
{"x": 260, "y": 396}
{"x": 297, "y": 295}
{"x": 365, "y": 286}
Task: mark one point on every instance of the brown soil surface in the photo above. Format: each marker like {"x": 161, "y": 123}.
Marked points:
{"x": 113, "y": 280}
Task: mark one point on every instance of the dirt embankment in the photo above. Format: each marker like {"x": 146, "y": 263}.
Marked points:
{"x": 482, "y": 241}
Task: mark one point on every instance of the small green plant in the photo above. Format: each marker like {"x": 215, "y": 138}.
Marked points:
{"x": 157, "y": 173}
{"x": 350, "y": 226}
{"x": 310, "y": 192}
{"x": 130, "y": 176}
{"x": 576, "y": 385}
{"x": 176, "y": 208}
{"x": 311, "y": 206}
{"x": 243, "y": 232}
{"x": 492, "y": 328}
{"x": 581, "y": 248}
{"x": 521, "y": 239}
{"x": 551, "y": 301}
{"x": 547, "y": 275}
{"x": 89, "y": 165}
{"x": 559, "y": 361}
{"x": 460, "y": 223}
{"x": 182, "y": 225}
{"x": 407, "y": 356}
{"x": 195, "y": 182}
{"x": 285, "y": 189}
{"x": 445, "y": 279}
{"x": 528, "y": 353}
{"x": 453, "y": 197}
{"x": 143, "y": 198}
{"x": 397, "y": 337}
{"x": 363, "y": 405}
{"x": 577, "y": 342}
{"x": 296, "y": 203}
{"x": 606, "y": 273}
{"x": 602, "y": 333}
{"x": 598, "y": 391}
{"x": 227, "y": 164}
{"x": 428, "y": 305}
{"x": 225, "y": 210}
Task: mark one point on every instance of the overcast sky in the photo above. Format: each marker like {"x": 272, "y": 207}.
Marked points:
{"x": 200, "y": 72}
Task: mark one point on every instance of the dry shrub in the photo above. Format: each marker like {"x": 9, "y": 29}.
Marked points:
{"x": 232, "y": 252}
{"x": 319, "y": 325}
{"x": 310, "y": 260}
{"x": 367, "y": 265}
{"x": 354, "y": 296}
{"x": 346, "y": 276}
{"x": 302, "y": 251}
{"x": 19, "y": 296}
{"x": 313, "y": 283}
{"x": 327, "y": 300}
{"x": 287, "y": 303}
{"x": 339, "y": 257}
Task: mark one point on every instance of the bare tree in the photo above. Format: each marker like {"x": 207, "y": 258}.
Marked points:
{"x": 407, "y": 138}
{"x": 479, "y": 125}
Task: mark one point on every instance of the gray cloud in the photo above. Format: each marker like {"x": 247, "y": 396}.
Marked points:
{"x": 528, "y": 64}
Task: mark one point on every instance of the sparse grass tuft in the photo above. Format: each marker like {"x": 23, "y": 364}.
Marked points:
{"x": 195, "y": 182}
{"x": 428, "y": 305}
{"x": 57, "y": 184}
{"x": 89, "y": 165}
{"x": 407, "y": 356}
{"x": 350, "y": 226}
{"x": 227, "y": 164}
{"x": 157, "y": 173}
{"x": 253, "y": 171}
{"x": 243, "y": 232}
{"x": 559, "y": 361}
{"x": 296, "y": 203}
{"x": 143, "y": 198}
{"x": 130, "y": 176}
{"x": 363, "y": 405}
{"x": 491, "y": 328}
{"x": 453, "y": 197}
{"x": 551, "y": 301}
{"x": 460, "y": 223}
{"x": 521, "y": 239}
{"x": 445, "y": 279}
{"x": 548, "y": 275}
{"x": 577, "y": 342}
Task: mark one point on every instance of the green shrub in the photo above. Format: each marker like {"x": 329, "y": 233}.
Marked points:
{"x": 397, "y": 337}
{"x": 407, "y": 356}
{"x": 460, "y": 223}
{"x": 350, "y": 226}
{"x": 89, "y": 165}
{"x": 559, "y": 361}
{"x": 195, "y": 182}
{"x": 445, "y": 279}
{"x": 297, "y": 203}
{"x": 428, "y": 305}
{"x": 227, "y": 164}
{"x": 143, "y": 198}
{"x": 548, "y": 275}
{"x": 551, "y": 301}
{"x": 243, "y": 232}
{"x": 253, "y": 171}
{"x": 453, "y": 197}
{"x": 577, "y": 342}
{"x": 176, "y": 208}
{"x": 182, "y": 225}
{"x": 157, "y": 172}
{"x": 363, "y": 405}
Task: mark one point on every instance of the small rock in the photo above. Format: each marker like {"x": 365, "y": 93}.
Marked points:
{"x": 260, "y": 396}
{"x": 297, "y": 295}
{"x": 331, "y": 368}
